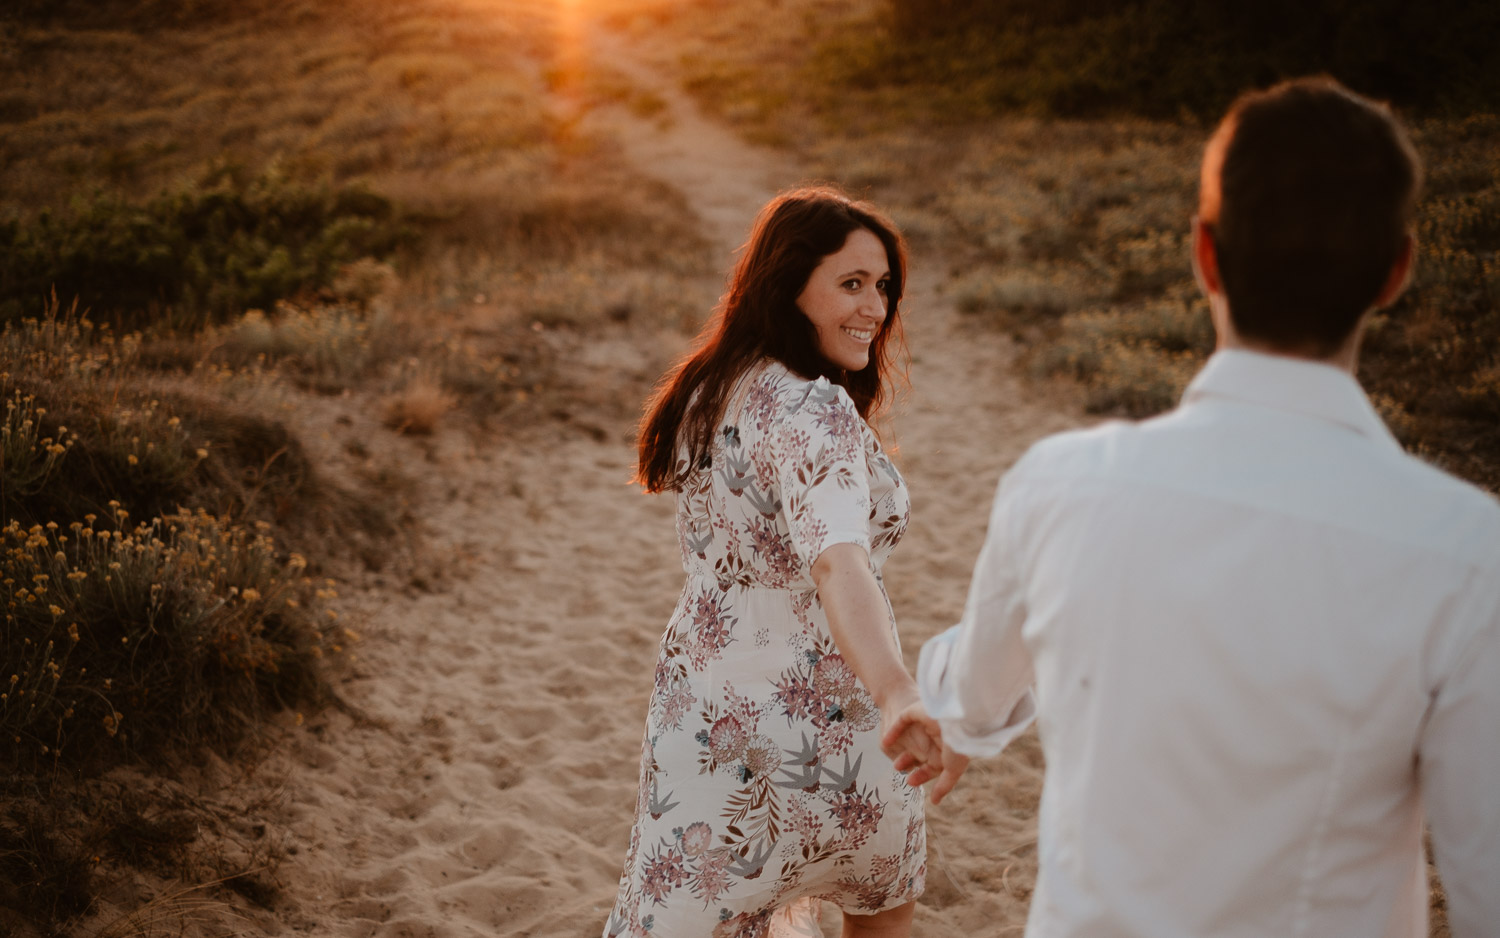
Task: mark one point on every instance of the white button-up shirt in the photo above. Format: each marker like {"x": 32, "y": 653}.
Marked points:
{"x": 1263, "y": 640}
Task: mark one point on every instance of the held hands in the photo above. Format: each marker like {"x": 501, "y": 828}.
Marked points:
{"x": 914, "y": 742}
{"x": 859, "y": 620}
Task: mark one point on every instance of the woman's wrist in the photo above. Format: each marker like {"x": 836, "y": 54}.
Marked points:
{"x": 896, "y": 694}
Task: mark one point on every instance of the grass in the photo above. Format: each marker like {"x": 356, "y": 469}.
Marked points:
{"x": 1071, "y": 233}
{"x": 136, "y": 629}
{"x": 211, "y": 220}
{"x": 123, "y": 639}
{"x": 205, "y": 251}
{"x": 345, "y": 113}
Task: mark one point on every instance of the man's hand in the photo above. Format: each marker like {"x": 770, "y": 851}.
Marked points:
{"x": 914, "y": 742}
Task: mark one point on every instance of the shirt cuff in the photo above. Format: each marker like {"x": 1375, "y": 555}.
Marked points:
{"x": 941, "y": 698}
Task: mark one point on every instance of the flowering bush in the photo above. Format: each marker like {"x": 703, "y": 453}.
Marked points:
{"x": 121, "y": 639}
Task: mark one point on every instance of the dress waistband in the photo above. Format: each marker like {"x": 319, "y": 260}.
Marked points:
{"x": 725, "y": 584}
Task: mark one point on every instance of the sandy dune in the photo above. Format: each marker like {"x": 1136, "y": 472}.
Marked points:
{"x": 490, "y": 790}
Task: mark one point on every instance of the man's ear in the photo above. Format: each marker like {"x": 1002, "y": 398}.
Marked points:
{"x": 1400, "y": 273}
{"x": 1206, "y": 258}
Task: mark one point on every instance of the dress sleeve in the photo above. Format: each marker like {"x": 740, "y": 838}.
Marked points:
{"x": 820, "y": 468}
{"x": 1459, "y": 761}
{"x": 975, "y": 678}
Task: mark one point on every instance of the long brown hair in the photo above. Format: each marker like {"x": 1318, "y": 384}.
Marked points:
{"x": 759, "y": 318}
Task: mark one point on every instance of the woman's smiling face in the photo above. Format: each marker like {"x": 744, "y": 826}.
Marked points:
{"x": 845, "y": 299}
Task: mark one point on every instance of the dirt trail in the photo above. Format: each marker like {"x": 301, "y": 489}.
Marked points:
{"x": 491, "y": 791}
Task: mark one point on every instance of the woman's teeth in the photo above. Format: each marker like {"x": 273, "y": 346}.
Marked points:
{"x": 863, "y": 335}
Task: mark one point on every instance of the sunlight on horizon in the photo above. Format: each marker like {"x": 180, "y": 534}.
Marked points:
{"x": 569, "y": 61}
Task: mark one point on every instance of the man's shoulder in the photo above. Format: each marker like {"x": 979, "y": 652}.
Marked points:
{"x": 1378, "y": 489}
{"x": 1077, "y": 452}
{"x": 1472, "y": 514}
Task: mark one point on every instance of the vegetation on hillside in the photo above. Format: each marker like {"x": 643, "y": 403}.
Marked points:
{"x": 200, "y": 254}
{"x": 209, "y": 219}
{"x": 1071, "y": 233}
{"x": 1163, "y": 58}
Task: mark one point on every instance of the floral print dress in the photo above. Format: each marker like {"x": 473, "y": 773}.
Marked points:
{"x": 763, "y": 787}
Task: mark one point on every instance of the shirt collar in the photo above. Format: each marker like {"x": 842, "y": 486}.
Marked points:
{"x": 1295, "y": 385}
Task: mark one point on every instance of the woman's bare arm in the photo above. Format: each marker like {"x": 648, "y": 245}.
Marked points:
{"x": 859, "y": 619}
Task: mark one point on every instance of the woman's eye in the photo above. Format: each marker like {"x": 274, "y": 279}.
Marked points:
{"x": 883, "y": 286}
{"x": 852, "y": 284}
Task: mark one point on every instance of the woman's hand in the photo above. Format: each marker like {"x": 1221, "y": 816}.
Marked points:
{"x": 909, "y": 736}
{"x": 914, "y": 742}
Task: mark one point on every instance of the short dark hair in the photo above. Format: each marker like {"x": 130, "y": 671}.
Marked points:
{"x": 1317, "y": 187}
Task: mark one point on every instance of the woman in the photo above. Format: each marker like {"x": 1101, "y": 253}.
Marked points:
{"x": 763, "y": 785}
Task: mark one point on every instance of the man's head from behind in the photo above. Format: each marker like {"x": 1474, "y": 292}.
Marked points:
{"x": 1307, "y": 197}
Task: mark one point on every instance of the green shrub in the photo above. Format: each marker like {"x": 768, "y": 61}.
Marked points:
{"x": 1163, "y": 57}
{"x": 201, "y": 253}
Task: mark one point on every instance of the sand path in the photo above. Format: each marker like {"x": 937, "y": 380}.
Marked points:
{"x": 490, "y": 792}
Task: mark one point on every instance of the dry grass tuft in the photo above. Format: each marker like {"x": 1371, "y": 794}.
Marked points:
{"x": 418, "y": 407}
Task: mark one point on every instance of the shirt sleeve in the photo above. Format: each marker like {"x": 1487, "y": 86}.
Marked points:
{"x": 1460, "y": 768}
{"x": 820, "y": 467}
{"x": 975, "y": 678}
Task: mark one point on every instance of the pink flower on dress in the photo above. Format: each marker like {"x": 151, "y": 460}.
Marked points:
{"x": 774, "y": 550}
{"x": 712, "y": 879}
{"x": 798, "y": 699}
{"x": 867, "y": 894}
{"x": 743, "y": 708}
{"x": 663, "y": 871}
{"x": 677, "y": 703}
{"x": 842, "y": 424}
{"x": 726, "y": 740}
{"x": 798, "y": 442}
{"x": 858, "y": 815}
{"x": 834, "y": 740}
{"x": 833, "y": 677}
{"x": 860, "y": 711}
{"x": 801, "y": 819}
{"x": 696, "y": 838}
{"x": 762, "y": 756}
{"x": 711, "y": 629}
{"x": 760, "y": 403}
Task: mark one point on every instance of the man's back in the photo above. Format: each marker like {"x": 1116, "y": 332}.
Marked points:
{"x": 1244, "y": 617}
{"x": 1242, "y": 612}
{"x": 1263, "y": 638}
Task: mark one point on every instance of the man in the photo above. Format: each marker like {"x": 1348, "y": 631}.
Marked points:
{"x": 1263, "y": 638}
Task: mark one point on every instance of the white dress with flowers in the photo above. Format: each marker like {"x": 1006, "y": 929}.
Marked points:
{"x": 763, "y": 787}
